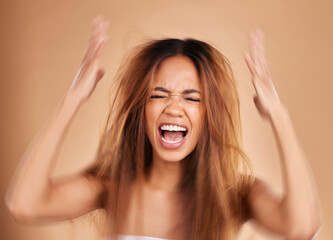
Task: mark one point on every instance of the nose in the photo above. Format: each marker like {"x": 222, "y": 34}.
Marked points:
{"x": 175, "y": 97}
{"x": 174, "y": 107}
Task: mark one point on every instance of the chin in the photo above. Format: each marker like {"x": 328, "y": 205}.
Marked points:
{"x": 171, "y": 155}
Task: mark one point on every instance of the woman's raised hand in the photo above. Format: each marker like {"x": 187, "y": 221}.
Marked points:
{"x": 266, "y": 98}
{"x": 89, "y": 72}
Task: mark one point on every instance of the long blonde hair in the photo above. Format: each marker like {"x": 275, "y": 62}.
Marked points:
{"x": 216, "y": 175}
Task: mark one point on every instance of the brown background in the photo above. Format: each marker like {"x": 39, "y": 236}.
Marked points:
{"x": 42, "y": 43}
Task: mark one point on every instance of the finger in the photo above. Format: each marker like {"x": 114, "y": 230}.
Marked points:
{"x": 94, "y": 45}
{"x": 98, "y": 25}
{"x": 260, "y": 49}
{"x": 252, "y": 46}
{"x": 98, "y": 30}
{"x": 94, "y": 52}
{"x": 100, "y": 40}
{"x": 250, "y": 64}
{"x": 99, "y": 49}
{"x": 94, "y": 29}
{"x": 254, "y": 51}
{"x": 260, "y": 55}
{"x": 93, "y": 61}
{"x": 255, "y": 77}
{"x": 97, "y": 19}
{"x": 97, "y": 33}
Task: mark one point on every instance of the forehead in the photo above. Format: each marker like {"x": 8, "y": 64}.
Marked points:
{"x": 176, "y": 73}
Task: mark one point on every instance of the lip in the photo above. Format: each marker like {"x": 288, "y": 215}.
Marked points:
{"x": 172, "y": 145}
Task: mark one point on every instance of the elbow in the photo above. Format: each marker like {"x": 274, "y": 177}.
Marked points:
{"x": 19, "y": 217}
{"x": 11, "y": 208}
{"x": 20, "y": 213}
{"x": 304, "y": 231}
{"x": 24, "y": 217}
{"x": 305, "y": 234}
{"x": 303, "y": 224}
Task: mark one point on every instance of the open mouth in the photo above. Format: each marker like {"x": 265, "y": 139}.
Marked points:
{"x": 172, "y": 135}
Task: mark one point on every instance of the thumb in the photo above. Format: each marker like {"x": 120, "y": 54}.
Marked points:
{"x": 256, "y": 101}
{"x": 100, "y": 73}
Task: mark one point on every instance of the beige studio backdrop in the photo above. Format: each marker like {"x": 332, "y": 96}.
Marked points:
{"x": 42, "y": 43}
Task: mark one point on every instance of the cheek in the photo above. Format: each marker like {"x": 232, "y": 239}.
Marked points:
{"x": 195, "y": 115}
{"x": 151, "y": 114}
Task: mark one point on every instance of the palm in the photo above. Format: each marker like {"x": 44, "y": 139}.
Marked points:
{"x": 266, "y": 97}
{"x": 89, "y": 72}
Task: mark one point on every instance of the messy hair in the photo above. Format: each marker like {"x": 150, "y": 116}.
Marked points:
{"x": 216, "y": 174}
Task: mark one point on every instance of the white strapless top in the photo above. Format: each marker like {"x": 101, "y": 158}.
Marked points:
{"x": 132, "y": 237}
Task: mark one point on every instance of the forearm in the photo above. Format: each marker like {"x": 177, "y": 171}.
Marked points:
{"x": 300, "y": 204}
{"x": 31, "y": 180}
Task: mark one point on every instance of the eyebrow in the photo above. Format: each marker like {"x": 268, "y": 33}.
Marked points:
{"x": 186, "y": 91}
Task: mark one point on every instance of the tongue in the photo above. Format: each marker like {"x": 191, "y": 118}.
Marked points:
{"x": 172, "y": 135}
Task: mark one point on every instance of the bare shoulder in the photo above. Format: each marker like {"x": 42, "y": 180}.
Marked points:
{"x": 259, "y": 187}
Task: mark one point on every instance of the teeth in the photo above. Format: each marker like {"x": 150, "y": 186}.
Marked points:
{"x": 172, "y": 141}
{"x": 173, "y": 128}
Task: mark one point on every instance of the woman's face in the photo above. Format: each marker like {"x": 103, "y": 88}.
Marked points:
{"x": 174, "y": 109}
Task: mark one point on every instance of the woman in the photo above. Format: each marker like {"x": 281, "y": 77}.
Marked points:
{"x": 170, "y": 163}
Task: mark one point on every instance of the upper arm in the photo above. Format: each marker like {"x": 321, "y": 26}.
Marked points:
{"x": 67, "y": 198}
{"x": 270, "y": 211}
{"x": 265, "y": 207}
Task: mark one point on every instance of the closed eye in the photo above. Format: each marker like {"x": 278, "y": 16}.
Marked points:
{"x": 192, "y": 99}
{"x": 157, "y": 96}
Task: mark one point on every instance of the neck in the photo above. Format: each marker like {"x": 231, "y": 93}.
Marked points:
{"x": 164, "y": 175}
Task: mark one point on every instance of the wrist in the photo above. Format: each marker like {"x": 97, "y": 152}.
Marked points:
{"x": 278, "y": 113}
{"x": 72, "y": 100}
